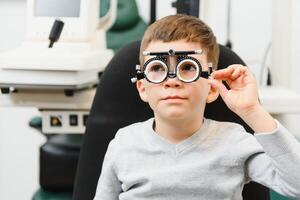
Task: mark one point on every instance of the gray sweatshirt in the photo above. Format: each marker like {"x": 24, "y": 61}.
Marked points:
{"x": 214, "y": 163}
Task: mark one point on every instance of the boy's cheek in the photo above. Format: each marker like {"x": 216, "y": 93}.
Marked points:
{"x": 144, "y": 96}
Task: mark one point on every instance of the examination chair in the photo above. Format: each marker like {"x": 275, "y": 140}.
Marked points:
{"x": 117, "y": 104}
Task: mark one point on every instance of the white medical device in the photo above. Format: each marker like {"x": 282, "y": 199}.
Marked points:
{"x": 81, "y": 19}
{"x": 74, "y": 62}
{"x": 59, "y": 80}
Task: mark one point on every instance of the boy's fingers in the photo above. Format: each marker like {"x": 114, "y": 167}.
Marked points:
{"x": 223, "y": 73}
{"x": 230, "y": 73}
{"x": 213, "y": 83}
{"x": 237, "y": 73}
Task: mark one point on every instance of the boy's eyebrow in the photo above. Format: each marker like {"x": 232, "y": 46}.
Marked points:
{"x": 172, "y": 52}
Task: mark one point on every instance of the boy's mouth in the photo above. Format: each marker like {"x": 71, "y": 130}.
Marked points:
{"x": 174, "y": 97}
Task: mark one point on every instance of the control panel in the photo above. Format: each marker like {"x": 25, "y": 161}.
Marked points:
{"x": 71, "y": 121}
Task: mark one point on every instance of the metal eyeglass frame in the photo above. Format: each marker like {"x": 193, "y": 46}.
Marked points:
{"x": 162, "y": 57}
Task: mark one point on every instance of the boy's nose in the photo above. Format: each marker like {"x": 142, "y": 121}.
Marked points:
{"x": 172, "y": 82}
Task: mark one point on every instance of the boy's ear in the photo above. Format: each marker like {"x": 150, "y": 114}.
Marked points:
{"x": 212, "y": 94}
{"x": 141, "y": 89}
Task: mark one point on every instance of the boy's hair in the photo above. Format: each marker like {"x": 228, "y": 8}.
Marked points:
{"x": 182, "y": 27}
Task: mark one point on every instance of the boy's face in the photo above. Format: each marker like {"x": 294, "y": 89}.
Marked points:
{"x": 174, "y": 99}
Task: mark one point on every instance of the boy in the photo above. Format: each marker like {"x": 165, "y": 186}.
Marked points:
{"x": 181, "y": 155}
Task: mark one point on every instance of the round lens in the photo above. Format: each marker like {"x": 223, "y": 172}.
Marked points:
{"x": 188, "y": 70}
{"x": 156, "y": 71}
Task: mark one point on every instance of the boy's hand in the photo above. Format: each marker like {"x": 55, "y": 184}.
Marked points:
{"x": 242, "y": 96}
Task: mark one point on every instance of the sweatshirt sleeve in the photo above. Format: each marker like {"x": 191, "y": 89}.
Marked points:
{"x": 278, "y": 167}
{"x": 109, "y": 187}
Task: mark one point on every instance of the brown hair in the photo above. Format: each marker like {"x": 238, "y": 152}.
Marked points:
{"x": 178, "y": 27}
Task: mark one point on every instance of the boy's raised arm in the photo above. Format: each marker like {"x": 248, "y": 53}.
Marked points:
{"x": 278, "y": 167}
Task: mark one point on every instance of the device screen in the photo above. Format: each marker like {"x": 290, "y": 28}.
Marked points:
{"x": 57, "y": 8}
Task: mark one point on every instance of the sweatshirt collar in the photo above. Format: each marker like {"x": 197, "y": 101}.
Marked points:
{"x": 195, "y": 138}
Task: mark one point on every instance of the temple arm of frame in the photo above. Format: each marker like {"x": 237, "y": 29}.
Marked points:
{"x": 139, "y": 74}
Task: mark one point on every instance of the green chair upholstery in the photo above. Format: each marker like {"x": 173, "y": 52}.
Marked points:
{"x": 275, "y": 196}
{"x": 129, "y": 26}
{"x": 46, "y": 195}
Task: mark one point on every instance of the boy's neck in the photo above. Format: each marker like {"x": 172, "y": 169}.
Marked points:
{"x": 176, "y": 131}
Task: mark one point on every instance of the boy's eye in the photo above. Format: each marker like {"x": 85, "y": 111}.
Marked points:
{"x": 188, "y": 67}
{"x": 157, "y": 68}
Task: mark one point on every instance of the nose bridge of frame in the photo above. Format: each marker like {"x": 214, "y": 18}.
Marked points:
{"x": 172, "y": 63}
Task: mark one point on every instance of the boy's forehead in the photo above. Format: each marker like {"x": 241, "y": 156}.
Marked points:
{"x": 179, "y": 45}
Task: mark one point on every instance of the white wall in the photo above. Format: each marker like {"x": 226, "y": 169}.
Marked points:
{"x": 286, "y": 51}
{"x": 19, "y": 145}
{"x": 19, "y": 154}
{"x": 12, "y": 21}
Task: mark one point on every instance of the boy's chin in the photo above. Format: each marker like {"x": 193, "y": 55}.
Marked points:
{"x": 174, "y": 115}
